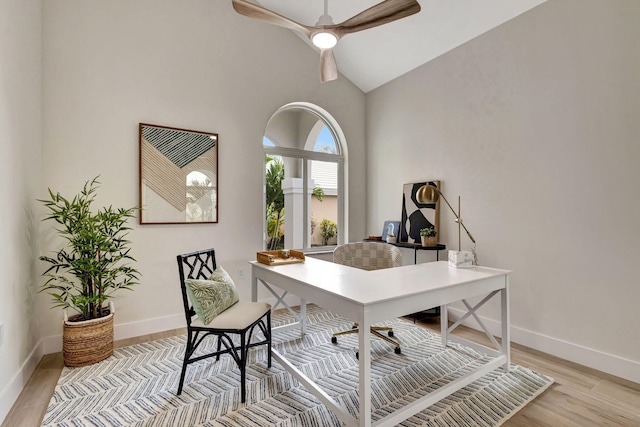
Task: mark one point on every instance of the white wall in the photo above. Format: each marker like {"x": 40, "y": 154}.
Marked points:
{"x": 194, "y": 64}
{"x": 535, "y": 124}
{"x": 20, "y": 138}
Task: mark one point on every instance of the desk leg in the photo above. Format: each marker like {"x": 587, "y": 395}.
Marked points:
{"x": 364, "y": 352}
{"x": 444, "y": 325}
{"x": 303, "y": 316}
{"x": 506, "y": 319}
{"x": 254, "y": 288}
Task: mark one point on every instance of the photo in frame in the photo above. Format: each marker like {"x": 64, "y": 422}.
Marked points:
{"x": 393, "y": 226}
{"x": 416, "y": 216}
{"x": 178, "y": 175}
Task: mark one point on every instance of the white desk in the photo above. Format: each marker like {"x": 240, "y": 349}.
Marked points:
{"x": 367, "y": 297}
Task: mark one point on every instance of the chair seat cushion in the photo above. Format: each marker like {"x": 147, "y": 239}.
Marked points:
{"x": 211, "y": 297}
{"x": 239, "y": 316}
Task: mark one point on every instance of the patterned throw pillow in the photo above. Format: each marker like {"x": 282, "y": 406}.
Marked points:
{"x": 212, "y": 297}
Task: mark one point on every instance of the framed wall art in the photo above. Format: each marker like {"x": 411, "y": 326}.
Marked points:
{"x": 415, "y": 215}
{"x": 178, "y": 175}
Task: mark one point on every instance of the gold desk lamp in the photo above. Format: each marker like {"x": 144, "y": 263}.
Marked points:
{"x": 430, "y": 194}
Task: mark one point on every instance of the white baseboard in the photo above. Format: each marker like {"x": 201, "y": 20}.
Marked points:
{"x": 9, "y": 394}
{"x": 53, "y": 344}
{"x": 604, "y": 362}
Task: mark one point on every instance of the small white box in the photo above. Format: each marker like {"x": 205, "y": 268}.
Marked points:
{"x": 460, "y": 259}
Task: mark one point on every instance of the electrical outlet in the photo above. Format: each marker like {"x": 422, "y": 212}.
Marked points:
{"x": 1, "y": 334}
{"x": 241, "y": 273}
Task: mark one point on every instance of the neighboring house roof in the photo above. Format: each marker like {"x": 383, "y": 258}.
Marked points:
{"x": 325, "y": 176}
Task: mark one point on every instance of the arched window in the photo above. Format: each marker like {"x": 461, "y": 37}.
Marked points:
{"x": 305, "y": 170}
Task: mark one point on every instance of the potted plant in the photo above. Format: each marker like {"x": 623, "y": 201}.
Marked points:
{"x": 328, "y": 230}
{"x": 428, "y": 237}
{"x": 83, "y": 275}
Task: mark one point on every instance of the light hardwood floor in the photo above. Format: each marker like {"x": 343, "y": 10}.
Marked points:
{"x": 579, "y": 397}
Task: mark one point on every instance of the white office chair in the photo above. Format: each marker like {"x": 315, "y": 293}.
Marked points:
{"x": 368, "y": 256}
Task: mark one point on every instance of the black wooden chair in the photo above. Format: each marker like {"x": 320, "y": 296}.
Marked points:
{"x": 239, "y": 319}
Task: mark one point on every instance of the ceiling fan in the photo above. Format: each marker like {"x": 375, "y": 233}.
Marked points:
{"x": 325, "y": 34}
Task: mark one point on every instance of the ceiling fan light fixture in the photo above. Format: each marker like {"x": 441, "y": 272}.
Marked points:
{"x": 324, "y": 40}
{"x": 325, "y": 34}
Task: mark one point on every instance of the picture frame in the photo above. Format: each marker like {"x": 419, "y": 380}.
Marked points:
{"x": 178, "y": 175}
{"x": 385, "y": 229}
{"x": 415, "y": 215}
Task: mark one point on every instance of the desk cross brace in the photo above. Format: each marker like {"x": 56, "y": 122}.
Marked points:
{"x": 472, "y": 312}
{"x": 300, "y": 318}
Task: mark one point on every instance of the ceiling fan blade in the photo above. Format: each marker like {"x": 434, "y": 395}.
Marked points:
{"x": 252, "y": 10}
{"x": 382, "y": 13}
{"x": 328, "y": 66}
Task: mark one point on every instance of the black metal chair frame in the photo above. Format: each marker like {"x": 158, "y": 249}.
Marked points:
{"x": 201, "y": 265}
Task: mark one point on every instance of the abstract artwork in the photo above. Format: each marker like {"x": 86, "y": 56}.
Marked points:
{"x": 178, "y": 176}
{"x": 415, "y": 215}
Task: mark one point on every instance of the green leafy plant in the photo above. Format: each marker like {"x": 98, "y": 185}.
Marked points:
{"x": 94, "y": 263}
{"x": 318, "y": 193}
{"x": 275, "y": 225}
{"x": 328, "y": 230}
{"x": 429, "y": 231}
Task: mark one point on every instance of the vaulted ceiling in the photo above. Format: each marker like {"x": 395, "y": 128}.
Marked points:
{"x": 373, "y": 57}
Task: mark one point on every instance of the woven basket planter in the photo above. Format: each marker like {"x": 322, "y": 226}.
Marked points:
{"x": 87, "y": 342}
{"x": 429, "y": 241}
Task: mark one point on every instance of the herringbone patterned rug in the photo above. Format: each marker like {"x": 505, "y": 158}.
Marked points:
{"x": 137, "y": 385}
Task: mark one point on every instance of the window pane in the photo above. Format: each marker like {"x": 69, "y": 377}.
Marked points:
{"x": 295, "y": 203}
{"x": 274, "y": 196}
{"x": 267, "y": 142}
{"x": 324, "y": 204}
{"x": 285, "y": 203}
{"x": 325, "y": 142}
